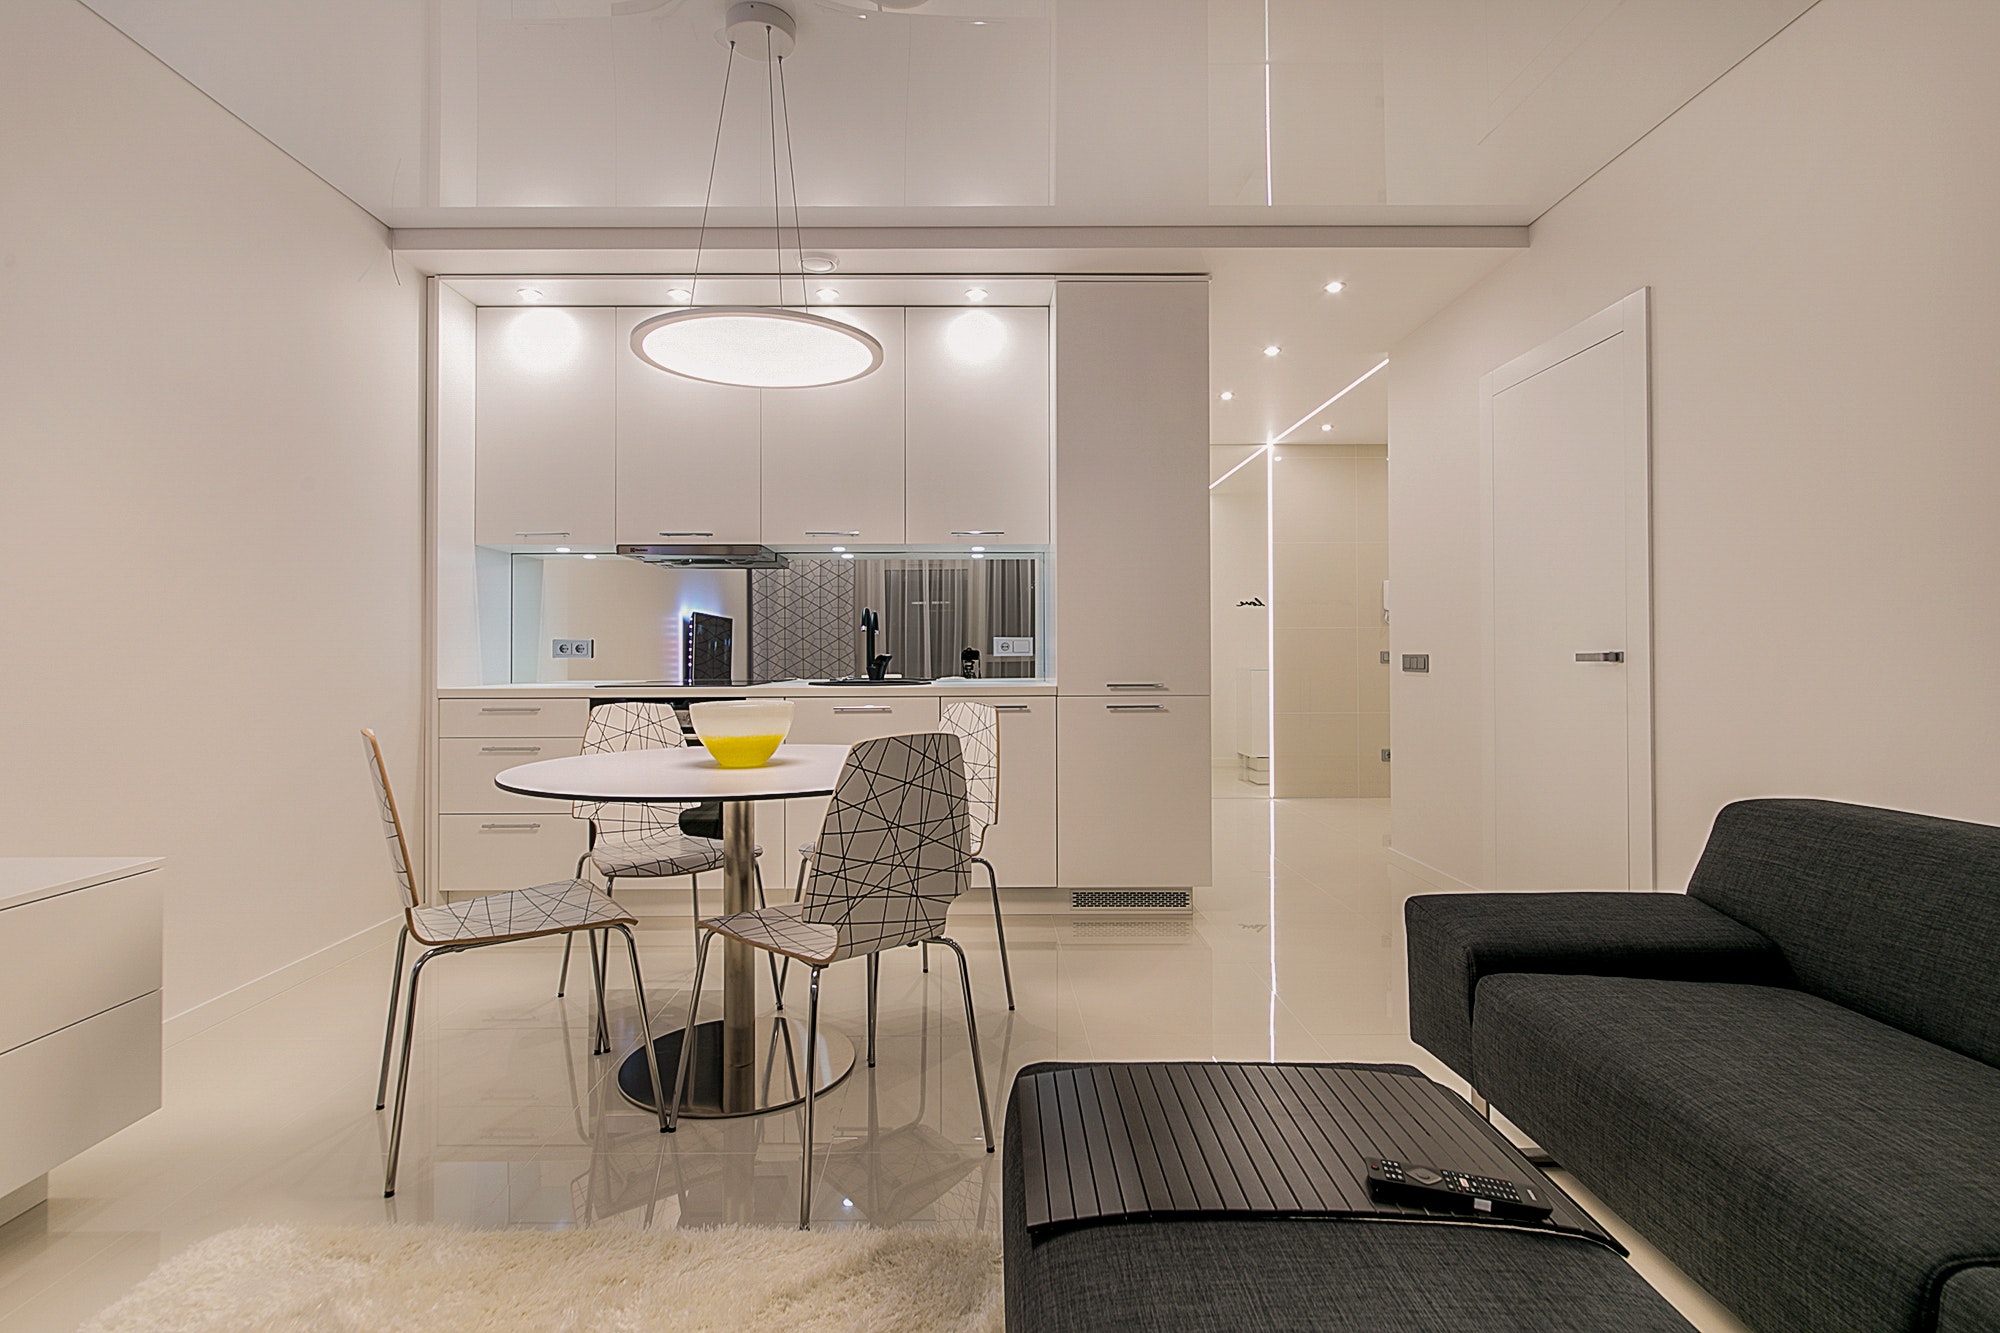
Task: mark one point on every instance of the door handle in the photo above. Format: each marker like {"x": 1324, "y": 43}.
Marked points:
{"x": 974, "y": 532}
{"x": 866, "y": 708}
{"x": 1600, "y": 657}
{"x": 510, "y": 749}
{"x": 1134, "y": 685}
{"x": 490, "y": 827}
{"x": 849, "y": 533}
{"x": 687, "y": 534}
{"x": 1135, "y": 708}
{"x": 1011, "y": 708}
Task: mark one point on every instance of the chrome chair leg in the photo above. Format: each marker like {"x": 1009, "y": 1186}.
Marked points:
{"x": 925, "y": 947}
{"x": 403, "y": 1073}
{"x": 599, "y": 957}
{"x": 806, "y": 1139}
{"x": 777, "y": 977}
{"x": 972, "y": 1031}
{"x": 874, "y": 989}
{"x": 389, "y": 1029}
{"x": 687, "y": 1033}
{"x": 999, "y": 928}
{"x": 562, "y": 981}
{"x": 645, "y": 1022}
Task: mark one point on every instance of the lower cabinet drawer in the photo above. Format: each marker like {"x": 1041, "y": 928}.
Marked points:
{"x": 467, "y": 766}
{"x": 508, "y": 851}
{"x": 512, "y": 717}
{"x": 75, "y": 1088}
{"x": 77, "y": 954}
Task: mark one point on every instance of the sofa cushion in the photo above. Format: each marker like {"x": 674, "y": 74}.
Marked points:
{"x": 1971, "y": 1301}
{"x": 1812, "y": 1168}
{"x": 1457, "y": 938}
{"x": 1892, "y": 914}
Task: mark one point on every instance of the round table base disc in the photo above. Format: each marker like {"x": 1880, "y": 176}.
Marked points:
{"x": 776, "y": 1072}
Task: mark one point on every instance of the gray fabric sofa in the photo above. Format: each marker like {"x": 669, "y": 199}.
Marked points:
{"x": 1286, "y": 1275}
{"x": 1785, "y": 1078}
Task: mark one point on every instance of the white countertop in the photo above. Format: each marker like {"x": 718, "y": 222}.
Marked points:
{"x": 27, "y": 879}
{"x": 784, "y": 689}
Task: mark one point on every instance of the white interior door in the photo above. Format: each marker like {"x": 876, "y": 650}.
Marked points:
{"x": 1570, "y": 757}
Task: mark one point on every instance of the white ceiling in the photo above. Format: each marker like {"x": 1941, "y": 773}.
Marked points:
{"x": 1009, "y": 140}
{"x": 944, "y": 112}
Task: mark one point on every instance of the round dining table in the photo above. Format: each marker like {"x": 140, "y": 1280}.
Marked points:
{"x": 741, "y": 1065}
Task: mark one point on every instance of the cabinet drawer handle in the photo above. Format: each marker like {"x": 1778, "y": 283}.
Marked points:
{"x": 1135, "y": 708}
{"x": 686, "y": 534}
{"x": 550, "y": 533}
{"x": 510, "y": 749}
{"x": 1600, "y": 657}
{"x": 1010, "y": 708}
{"x": 484, "y": 827}
{"x": 851, "y": 533}
{"x": 996, "y": 532}
{"x": 528, "y": 708}
{"x": 866, "y": 708}
{"x": 1134, "y": 685}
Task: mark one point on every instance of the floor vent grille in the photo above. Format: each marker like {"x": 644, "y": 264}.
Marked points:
{"x": 1089, "y": 900}
{"x": 1106, "y": 929}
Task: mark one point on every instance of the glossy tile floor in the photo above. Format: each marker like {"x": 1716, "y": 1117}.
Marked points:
{"x": 1295, "y": 954}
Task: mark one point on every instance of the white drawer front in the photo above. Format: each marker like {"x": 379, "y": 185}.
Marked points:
{"x": 77, "y": 954}
{"x": 467, "y": 765}
{"x": 77, "y": 1087}
{"x": 508, "y": 851}
{"x": 513, "y": 717}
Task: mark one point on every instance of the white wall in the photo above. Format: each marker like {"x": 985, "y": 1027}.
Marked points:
{"x": 1239, "y": 569}
{"x": 1818, "y": 232}
{"x": 211, "y": 511}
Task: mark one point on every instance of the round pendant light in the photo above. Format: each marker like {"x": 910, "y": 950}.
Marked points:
{"x": 756, "y": 347}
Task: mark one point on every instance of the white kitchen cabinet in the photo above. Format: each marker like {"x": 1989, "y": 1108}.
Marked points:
{"x": 1132, "y": 793}
{"x": 1022, "y": 846}
{"x": 514, "y": 716}
{"x": 689, "y": 453}
{"x": 833, "y": 719}
{"x": 485, "y": 853}
{"x": 833, "y": 456}
{"x": 79, "y": 1011}
{"x": 1131, "y": 488}
{"x": 978, "y": 431}
{"x": 545, "y": 468}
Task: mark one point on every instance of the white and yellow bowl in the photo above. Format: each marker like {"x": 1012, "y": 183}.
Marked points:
{"x": 742, "y": 733}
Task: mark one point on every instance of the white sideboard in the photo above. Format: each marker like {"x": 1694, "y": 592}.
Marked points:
{"x": 79, "y": 1011}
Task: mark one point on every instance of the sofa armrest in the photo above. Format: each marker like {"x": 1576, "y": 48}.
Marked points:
{"x": 1457, "y": 938}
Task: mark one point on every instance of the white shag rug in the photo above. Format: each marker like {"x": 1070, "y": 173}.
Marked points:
{"x": 422, "y": 1279}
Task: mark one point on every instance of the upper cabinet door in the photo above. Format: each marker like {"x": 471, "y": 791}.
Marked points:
{"x": 545, "y": 462}
{"x": 979, "y": 426}
{"x": 1131, "y": 492}
{"x": 833, "y": 457}
{"x": 688, "y": 453}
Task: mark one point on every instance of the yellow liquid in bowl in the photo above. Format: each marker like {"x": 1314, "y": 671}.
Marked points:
{"x": 742, "y": 751}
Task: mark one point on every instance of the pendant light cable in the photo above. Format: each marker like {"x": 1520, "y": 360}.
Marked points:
{"x": 792, "y": 170}
{"x": 715, "y": 154}
{"x": 777, "y": 198}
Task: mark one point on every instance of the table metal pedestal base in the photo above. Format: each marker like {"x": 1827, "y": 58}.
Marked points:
{"x": 776, "y": 1072}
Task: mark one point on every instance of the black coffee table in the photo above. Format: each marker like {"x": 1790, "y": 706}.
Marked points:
{"x": 1223, "y": 1197}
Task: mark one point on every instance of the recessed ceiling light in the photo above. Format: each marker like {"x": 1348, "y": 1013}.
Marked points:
{"x": 562, "y": 550}
{"x": 828, "y": 293}
{"x": 1273, "y": 350}
{"x": 1277, "y": 458}
{"x": 848, "y": 556}
{"x": 839, "y": 549}
{"x": 1326, "y": 427}
{"x": 529, "y": 293}
{"x": 590, "y": 557}
{"x": 1227, "y": 395}
{"x": 979, "y": 548}
{"x": 975, "y": 293}
{"x": 1335, "y": 287}
{"x": 820, "y": 263}
{"x": 679, "y": 295}
{"x": 978, "y": 555}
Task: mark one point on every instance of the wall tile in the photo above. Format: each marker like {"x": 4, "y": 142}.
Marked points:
{"x": 1315, "y": 583}
{"x": 1313, "y": 495}
{"x": 1315, "y": 670}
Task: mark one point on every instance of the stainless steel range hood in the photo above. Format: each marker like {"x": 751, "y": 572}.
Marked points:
{"x": 726, "y": 556}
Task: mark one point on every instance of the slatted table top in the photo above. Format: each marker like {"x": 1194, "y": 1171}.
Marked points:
{"x": 1150, "y": 1141}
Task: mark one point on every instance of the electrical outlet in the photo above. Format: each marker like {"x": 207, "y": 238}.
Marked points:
{"x": 1014, "y": 647}
{"x": 572, "y": 647}
{"x": 1385, "y": 756}
{"x": 1385, "y": 657}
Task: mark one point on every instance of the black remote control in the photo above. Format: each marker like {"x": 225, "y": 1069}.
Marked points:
{"x": 1443, "y": 1187}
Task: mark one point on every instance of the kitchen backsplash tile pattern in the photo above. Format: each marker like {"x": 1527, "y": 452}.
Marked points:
{"x": 803, "y": 621}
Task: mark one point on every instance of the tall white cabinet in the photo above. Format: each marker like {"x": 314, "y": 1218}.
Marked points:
{"x": 1131, "y": 605}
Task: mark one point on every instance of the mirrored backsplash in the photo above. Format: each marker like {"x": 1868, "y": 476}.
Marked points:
{"x": 601, "y": 617}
